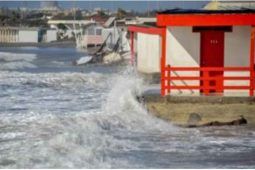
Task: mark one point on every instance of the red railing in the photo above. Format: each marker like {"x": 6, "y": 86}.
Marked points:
{"x": 209, "y": 83}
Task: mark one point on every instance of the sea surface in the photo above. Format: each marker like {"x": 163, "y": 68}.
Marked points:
{"x": 56, "y": 115}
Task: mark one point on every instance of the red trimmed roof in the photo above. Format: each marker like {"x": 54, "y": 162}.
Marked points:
{"x": 205, "y": 18}
{"x": 146, "y": 30}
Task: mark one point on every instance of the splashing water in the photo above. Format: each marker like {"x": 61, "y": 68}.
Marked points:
{"x": 12, "y": 61}
{"x": 91, "y": 119}
{"x": 7, "y": 56}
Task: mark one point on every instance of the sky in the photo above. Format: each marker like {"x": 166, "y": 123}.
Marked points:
{"x": 111, "y": 5}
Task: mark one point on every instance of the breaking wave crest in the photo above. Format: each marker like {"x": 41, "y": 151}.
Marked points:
{"x": 121, "y": 103}
{"x": 64, "y": 79}
{"x": 13, "y": 61}
{"x": 6, "y": 56}
{"x": 90, "y": 139}
{"x": 16, "y": 65}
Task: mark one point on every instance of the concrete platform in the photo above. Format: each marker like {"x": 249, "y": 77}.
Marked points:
{"x": 198, "y": 110}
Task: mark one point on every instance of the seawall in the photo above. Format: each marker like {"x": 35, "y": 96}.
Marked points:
{"x": 198, "y": 110}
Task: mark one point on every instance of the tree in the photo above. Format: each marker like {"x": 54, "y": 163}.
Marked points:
{"x": 62, "y": 26}
{"x": 101, "y": 13}
{"x": 121, "y": 13}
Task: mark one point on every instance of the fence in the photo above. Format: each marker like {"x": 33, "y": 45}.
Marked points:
{"x": 211, "y": 79}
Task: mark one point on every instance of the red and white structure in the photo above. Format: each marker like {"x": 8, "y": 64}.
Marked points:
{"x": 199, "y": 52}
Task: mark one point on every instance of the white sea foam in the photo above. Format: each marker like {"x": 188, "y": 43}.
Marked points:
{"x": 7, "y": 56}
{"x": 122, "y": 105}
{"x": 93, "y": 120}
{"x": 63, "y": 79}
{"x": 61, "y": 63}
{"x": 13, "y": 61}
{"x": 16, "y": 65}
{"x": 88, "y": 139}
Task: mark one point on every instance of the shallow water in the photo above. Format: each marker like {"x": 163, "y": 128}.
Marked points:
{"x": 55, "y": 115}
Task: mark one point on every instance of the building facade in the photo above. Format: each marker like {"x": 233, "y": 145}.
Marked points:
{"x": 9, "y": 35}
{"x": 199, "y": 52}
{"x": 26, "y": 35}
{"x": 31, "y": 35}
{"x": 51, "y": 35}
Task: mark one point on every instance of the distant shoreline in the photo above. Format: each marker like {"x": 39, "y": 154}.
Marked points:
{"x": 60, "y": 44}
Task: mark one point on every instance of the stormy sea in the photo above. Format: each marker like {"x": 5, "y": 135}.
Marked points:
{"x": 56, "y": 115}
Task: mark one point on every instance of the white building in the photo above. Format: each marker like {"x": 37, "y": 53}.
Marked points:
{"x": 230, "y": 5}
{"x": 9, "y": 34}
{"x": 29, "y": 35}
{"x": 199, "y": 52}
{"x": 51, "y": 35}
{"x": 26, "y": 35}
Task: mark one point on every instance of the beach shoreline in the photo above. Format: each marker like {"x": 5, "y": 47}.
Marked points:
{"x": 180, "y": 110}
{"x": 60, "y": 44}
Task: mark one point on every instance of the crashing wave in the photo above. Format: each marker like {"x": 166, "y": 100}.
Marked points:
{"x": 7, "y": 57}
{"x": 91, "y": 138}
{"x": 16, "y": 65}
{"x": 65, "y": 79}
{"x": 14, "y": 61}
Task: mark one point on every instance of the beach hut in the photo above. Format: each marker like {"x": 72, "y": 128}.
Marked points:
{"x": 198, "y": 52}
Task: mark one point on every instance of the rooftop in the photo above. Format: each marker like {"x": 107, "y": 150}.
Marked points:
{"x": 203, "y": 11}
{"x": 20, "y": 28}
{"x": 227, "y": 5}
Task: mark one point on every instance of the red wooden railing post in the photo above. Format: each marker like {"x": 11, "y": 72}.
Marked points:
{"x": 168, "y": 79}
{"x": 132, "y": 47}
{"x": 206, "y": 83}
{"x": 163, "y": 62}
{"x": 252, "y": 52}
{"x": 222, "y": 84}
{"x": 205, "y": 79}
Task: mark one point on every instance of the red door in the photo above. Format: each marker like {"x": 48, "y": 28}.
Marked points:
{"x": 212, "y": 55}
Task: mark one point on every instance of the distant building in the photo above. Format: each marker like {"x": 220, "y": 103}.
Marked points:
{"x": 50, "y": 35}
{"x": 69, "y": 23}
{"x": 85, "y": 13}
{"x": 29, "y": 35}
{"x": 92, "y": 35}
{"x": 9, "y": 34}
{"x": 98, "y": 19}
{"x": 71, "y": 26}
{"x": 26, "y": 35}
{"x": 230, "y": 5}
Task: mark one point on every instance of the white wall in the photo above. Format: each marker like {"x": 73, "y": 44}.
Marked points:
{"x": 28, "y": 36}
{"x": 237, "y": 53}
{"x": 237, "y": 46}
{"x": 51, "y": 35}
{"x": 183, "y": 49}
{"x": 148, "y": 53}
